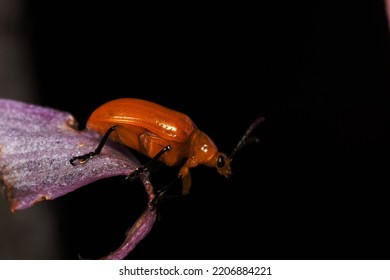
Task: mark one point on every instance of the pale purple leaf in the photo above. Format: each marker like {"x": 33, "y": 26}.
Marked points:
{"x": 36, "y": 144}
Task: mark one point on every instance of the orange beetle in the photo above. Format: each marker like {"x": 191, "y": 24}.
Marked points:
{"x": 161, "y": 134}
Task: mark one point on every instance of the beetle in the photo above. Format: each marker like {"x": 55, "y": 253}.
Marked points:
{"x": 161, "y": 134}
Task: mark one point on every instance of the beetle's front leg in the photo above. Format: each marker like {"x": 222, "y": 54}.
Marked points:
{"x": 185, "y": 176}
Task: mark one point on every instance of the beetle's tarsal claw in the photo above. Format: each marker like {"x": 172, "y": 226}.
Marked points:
{"x": 82, "y": 159}
{"x": 158, "y": 197}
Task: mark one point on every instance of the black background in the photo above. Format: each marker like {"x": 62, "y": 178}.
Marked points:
{"x": 315, "y": 188}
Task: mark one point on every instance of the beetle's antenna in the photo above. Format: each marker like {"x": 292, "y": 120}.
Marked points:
{"x": 245, "y": 140}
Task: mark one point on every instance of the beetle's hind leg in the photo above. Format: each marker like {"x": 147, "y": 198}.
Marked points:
{"x": 84, "y": 158}
{"x": 135, "y": 174}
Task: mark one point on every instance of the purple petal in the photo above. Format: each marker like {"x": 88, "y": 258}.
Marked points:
{"x": 36, "y": 145}
{"x": 140, "y": 228}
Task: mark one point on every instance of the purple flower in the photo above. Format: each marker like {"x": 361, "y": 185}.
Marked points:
{"x": 36, "y": 144}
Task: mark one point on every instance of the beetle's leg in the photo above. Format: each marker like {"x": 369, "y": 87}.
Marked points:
{"x": 160, "y": 194}
{"x": 186, "y": 185}
{"x": 86, "y": 157}
{"x": 184, "y": 173}
{"x": 134, "y": 175}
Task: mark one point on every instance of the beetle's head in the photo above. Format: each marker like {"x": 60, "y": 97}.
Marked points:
{"x": 222, "y": 163}
{"x": 207, "y": 152}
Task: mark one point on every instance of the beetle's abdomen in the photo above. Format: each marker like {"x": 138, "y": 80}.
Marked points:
{"x": 163, "y": 122}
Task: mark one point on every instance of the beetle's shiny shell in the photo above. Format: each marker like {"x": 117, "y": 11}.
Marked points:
{"x": 165, "y": 123}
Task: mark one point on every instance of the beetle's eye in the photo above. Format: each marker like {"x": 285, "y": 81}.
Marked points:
{"x": 221, "y": 161}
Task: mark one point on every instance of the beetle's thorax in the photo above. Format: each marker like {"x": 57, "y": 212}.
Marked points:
{"x": 201, "y": 148}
